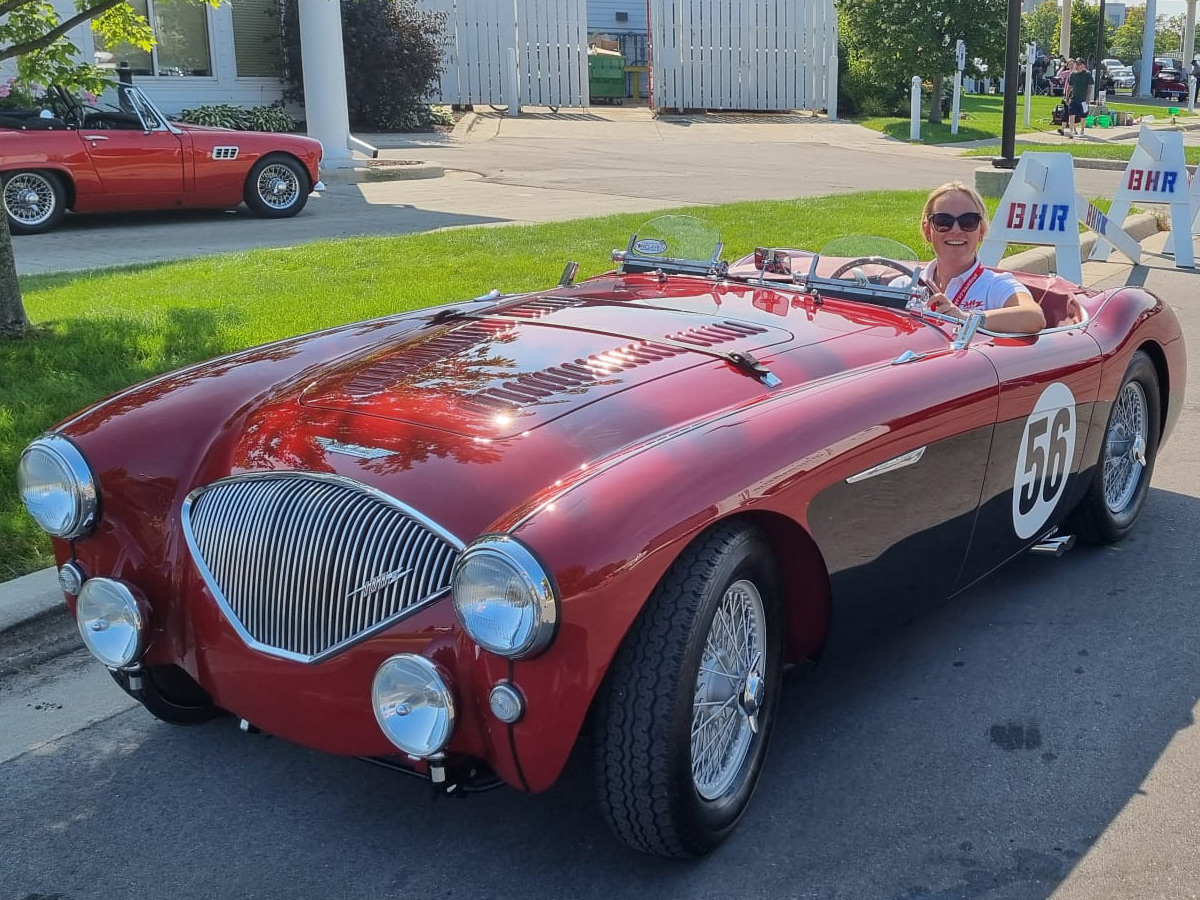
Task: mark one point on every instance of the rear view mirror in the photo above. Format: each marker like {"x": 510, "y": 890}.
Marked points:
{"x": 772, "y": 262}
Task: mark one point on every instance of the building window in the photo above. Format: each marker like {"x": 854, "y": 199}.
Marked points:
{"x": 622, "y": 17}
{"x": 257, "y": 38}
{"x": 181, "y": 42}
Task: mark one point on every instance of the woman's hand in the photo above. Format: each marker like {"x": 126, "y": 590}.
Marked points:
{"x": 940, "y": 303}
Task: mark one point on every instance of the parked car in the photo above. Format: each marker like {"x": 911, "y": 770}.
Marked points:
{"x": 1169, "y": 84}
{"x": 1122, "y": 77}
{"x": 68, "y": 155}
{"x": 449, "y": 540}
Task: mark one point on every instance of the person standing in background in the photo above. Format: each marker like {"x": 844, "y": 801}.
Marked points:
{"x": 1080, "y": 85}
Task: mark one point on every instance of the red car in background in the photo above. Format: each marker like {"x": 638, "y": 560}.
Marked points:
{"x": 452, "y": 540}
{"x": 66, "y": 155}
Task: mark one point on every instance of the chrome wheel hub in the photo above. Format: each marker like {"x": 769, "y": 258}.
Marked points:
{"x": 278, "y": 186}
{"x": 1125, "y": 448}
{"x": 29, "y": 198}
{"x": 730, "y": 692}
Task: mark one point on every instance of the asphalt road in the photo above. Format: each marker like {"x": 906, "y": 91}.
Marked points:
{"x": 1033, "y": 739}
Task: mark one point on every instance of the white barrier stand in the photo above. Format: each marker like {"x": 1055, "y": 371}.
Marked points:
{"x": 1041, "y": 206}
{"x": 914, "y": 131}
{"x": 1156, "y": 173}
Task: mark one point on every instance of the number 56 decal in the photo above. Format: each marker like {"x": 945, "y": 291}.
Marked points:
{"x": 1044, "y": 460}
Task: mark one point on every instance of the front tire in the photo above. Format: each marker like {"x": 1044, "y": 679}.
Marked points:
{"x": 685, "y": 716}
{"x": 1122, "y": 477}
{"x": 33, "y": 201}
{"x": 277, "y": 187}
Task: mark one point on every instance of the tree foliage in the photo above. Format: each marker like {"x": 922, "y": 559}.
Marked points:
{"x": 893, "y": 40}
{"x": 1041, "y": 26}
{"x": 1085, "y": 21}
{"x": 394, "y": 52}
{"x": 1127, "y": 40}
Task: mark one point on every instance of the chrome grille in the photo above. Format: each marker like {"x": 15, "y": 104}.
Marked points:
{"x": 305, "y": 564}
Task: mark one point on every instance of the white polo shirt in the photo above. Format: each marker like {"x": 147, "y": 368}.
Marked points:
{"x": 989, "y": 289}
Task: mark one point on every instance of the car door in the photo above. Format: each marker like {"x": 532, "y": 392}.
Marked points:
{"x": 137, "y": 170}
{"x": 1048, "y": 386}
{"x": 894, "y": 528}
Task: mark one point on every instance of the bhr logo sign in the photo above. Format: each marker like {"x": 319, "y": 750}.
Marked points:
{"x": 1039, "y": 216}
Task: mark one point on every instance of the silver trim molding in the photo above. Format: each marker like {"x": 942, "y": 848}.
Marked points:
{"x": 908, "y": 459}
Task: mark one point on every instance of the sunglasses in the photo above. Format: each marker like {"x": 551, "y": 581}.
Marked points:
{"x": 943, "y": 222}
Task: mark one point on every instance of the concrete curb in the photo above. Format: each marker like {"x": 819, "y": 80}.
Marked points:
{"x": 384, "y": 170}
{"x": 1044, "y": 260}
{"x": 29, "y": 597}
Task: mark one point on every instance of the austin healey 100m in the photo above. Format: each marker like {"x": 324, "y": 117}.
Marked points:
{"x": 450, "y": 539}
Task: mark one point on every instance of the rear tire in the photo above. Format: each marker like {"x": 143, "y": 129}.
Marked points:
{"x": 683, "y": 721}
{"x": 34, "y": 201}
{"x": 277, "y": 187}
{"x": 1122, "y": 476}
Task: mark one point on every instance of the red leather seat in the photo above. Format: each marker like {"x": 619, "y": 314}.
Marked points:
{"x": 1058, "y": 298}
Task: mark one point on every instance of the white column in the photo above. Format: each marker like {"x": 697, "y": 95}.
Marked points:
{"x": 1189, "y": 35}
{"x": 1064, "y": 31}
{"x": 1147, "y": 72}
{"x": 324, "y": 65}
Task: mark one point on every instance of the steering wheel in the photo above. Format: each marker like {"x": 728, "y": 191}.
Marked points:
{"x": 871, "y": 261}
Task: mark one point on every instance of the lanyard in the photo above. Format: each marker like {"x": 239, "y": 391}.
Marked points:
{"x": 961, "y": 293}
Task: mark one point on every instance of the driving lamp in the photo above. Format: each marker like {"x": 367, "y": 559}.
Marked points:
{"x": 57, "y": 487}
{"x": 111, "y": 622}
{"x": 504, "y": 598}
{"x": 413, "y": 705}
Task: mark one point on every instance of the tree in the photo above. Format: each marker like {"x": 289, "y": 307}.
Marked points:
{"x": 32, "y": 32}
{"x": 896, "y": 39}
{"x": 1040, "y": 26}
{"x": 1127, "y": 40}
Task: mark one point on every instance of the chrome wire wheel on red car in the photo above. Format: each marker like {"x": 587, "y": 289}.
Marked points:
{"x": 1122, "y": 475}
{"x": 277, "y": 187}
{"x": 34, "y": 201}
{"x": 729, "y": 691}
{"x": 683, "y": 720}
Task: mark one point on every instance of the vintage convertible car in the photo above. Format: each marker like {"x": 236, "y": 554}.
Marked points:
{"x": 452, "y": 540}
{"x": 67, "y": 155}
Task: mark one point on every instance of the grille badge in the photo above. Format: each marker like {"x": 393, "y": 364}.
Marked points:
{"x": 358, "y": 451}
{"x": 379, "y": 582}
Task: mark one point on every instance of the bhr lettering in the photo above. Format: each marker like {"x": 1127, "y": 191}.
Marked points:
{"x": 1153, "y": 180}
{"x": 1038, "y": 216}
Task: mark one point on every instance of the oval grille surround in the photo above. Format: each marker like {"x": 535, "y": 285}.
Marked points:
{"x": 306, "y": 564}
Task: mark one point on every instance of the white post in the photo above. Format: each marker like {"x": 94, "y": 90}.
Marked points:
{"x": 957, "y": 102}
{"x": 1064, "y": 31}
{"x": 914, "y": 133}
{"x": 1191, "y": 93}
{"x": 1028, "y": 82}
{"x": 1147, "y": 73}
{"x": 1189, "y": 35}
{"x": 512, "y": 92}
{"x": 323, "y": 62}
{"x": 960, "y": 60}
{"x": 831, "y": 89}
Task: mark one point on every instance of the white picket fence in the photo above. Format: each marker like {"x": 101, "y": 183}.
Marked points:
{"x": 527, "y": 52}
{"x": 747, "y": 54}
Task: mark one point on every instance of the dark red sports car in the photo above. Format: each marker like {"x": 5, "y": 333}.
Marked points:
{"x": 64, "y": 155}
{"x": 446, "y": 540}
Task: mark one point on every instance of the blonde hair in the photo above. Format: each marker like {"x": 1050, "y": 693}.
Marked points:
{"x": 952, "y": 187}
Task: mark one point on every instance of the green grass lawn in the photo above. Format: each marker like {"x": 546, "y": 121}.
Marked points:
{"x": 1085, "y": 149}
{"x": 982, "y": 118}
{"x": 98, "y": 332}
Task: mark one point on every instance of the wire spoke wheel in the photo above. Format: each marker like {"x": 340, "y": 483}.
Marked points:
{"x": 729, "y": 691}
{"x": 278, "y": 187}
{"x": 1125, "y": 447}
{"x": 30, "y": 199}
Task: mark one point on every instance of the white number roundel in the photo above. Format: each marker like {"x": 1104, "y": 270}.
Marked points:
{"x": 1044, "y": 459}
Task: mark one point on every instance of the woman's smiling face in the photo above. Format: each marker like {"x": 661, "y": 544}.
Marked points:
{"x": 955, "y": 247}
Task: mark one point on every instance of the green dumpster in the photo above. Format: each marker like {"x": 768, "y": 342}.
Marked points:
{"x": 606, "y": 77}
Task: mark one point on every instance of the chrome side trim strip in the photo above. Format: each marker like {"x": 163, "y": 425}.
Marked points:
{"x": 908, "y": 459}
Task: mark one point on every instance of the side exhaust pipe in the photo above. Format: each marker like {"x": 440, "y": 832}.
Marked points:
{"x": 1053, "y": 546}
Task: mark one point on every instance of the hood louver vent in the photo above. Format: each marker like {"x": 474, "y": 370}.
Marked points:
{"x": 394, "y": 369}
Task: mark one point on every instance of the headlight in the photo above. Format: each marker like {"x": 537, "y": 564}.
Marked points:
{"x": 504, "y": 598}
{"x": 111, "y": 622}
{"x": 413, "y": 705}
{"x": 57, "y": 487}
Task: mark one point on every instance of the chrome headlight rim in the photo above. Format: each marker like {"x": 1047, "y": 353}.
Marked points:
{"x": 430, "y": 676}
{"x": 77, "y": 472}
{"x": 538, "y": 582}
{"x": 130, "y": 604}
